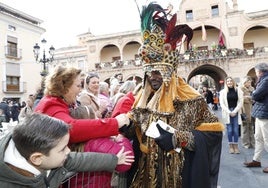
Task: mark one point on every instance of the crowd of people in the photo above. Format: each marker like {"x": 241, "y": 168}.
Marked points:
{"x": 148, "y": 131}
{"x": 10, "y": 110}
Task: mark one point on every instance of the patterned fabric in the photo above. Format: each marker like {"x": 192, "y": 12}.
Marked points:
{"x": 158, "y": 168}
{"x": 160, "y": 37}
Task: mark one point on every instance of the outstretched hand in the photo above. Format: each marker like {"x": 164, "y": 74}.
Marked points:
{"x": 122, "y": 120}
{"x": 124, "y": 158}
{"x": 164, "y": 141}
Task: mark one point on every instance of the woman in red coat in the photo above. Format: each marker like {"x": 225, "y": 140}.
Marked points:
{"x": 61, "y": 89}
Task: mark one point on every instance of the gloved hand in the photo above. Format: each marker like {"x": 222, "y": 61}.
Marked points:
{"x": 164, "y": 141}
{"x": 122, "y": 120}
{"x": 128, "y": 130}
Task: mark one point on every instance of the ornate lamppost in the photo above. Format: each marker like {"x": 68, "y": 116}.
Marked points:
{"x": 44, "y": 60}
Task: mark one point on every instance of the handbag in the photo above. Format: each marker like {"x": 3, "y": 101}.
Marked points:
{"x": 243, "y": 116}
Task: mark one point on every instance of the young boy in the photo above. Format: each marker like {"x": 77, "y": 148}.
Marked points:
{"x": 36, "y": 155}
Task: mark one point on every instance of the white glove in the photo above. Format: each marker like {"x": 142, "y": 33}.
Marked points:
{"x": 122, "y": 120}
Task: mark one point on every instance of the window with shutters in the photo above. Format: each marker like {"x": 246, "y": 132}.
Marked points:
{"x": 12, "y": 47}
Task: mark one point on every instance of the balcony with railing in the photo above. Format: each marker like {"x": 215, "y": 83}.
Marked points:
{"x": 13, "y": 52}
{"x": 14, "y": 88}
{"x": 117, "y": 64}
{"x": 194, "y": 55}
{"x": 221, "y": 54}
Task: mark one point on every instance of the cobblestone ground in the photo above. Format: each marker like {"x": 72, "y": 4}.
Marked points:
{"x": 233, "y": 174}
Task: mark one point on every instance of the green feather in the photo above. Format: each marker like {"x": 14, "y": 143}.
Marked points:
{"x": 147, "y": 15}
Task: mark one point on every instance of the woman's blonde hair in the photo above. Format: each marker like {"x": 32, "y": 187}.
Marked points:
{"x": 60, "y": 80}
{"x": 246, "y": 79}
{"x": 225, "y": 83}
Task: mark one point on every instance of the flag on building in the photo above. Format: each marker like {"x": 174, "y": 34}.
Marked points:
{"x": 204, "y": 33}
{"x": 221, "y": 43}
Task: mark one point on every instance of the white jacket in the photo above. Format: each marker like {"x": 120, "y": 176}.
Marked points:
{"x": 225, "y": 108}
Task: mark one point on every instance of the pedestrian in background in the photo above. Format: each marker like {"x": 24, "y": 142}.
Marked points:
{"x": 28, "y": 109}
{"x": 2, "y": 117}
{"x": 260, "y": 113}
{"x": 208, "y": 96}
{"x": 14, "y": 110}
{"x": 5, "y": 108}
{"x": 247, "y": 128}
{"x": 231, "y": 100}
{"x": 39, "y": 95}
{"x": 215, "y": 99}
{"x": 90, "y": 93}
{"x": 127, "y": 87}
{"x": 105, "y": 103}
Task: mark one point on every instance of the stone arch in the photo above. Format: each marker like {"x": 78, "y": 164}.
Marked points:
{"x": 130, "y": 50}
{"x": 212, "y": 36}
{"x": 215, "y": 72}
{"x": 108, "y": 51}
{"x": 252, "y": 74}
{"x": 250, "y": 26}
{"x": 255, "y": 33}
{"x": 108, "y": 43}
{"x": 135, "y": 40}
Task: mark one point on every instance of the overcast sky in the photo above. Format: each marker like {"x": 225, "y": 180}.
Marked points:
{"x": 65, "y": 19}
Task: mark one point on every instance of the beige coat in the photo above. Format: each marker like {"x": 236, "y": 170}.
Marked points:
{"x": 247, "y": 106}
{"x": 225, "y": 108}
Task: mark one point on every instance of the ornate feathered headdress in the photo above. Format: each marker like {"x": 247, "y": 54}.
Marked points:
{"x": 160, "y": 37}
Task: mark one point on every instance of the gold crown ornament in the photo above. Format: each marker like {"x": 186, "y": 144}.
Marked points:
{"x": 161, "y": 38}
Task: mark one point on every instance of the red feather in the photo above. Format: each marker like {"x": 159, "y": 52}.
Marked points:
{"x": 170, "y": 27}
{"x": 174, "y": 33}
{"x": 177, "y": 34}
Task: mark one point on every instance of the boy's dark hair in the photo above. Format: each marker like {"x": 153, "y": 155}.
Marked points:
{"x": 38, "y": 133}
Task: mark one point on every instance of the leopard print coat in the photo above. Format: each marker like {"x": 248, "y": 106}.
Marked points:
{"x": 158, "y": 168}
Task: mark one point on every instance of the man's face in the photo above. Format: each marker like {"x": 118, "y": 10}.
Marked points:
{"x": 155, "y": 79}
{"x": 258, "y": 73}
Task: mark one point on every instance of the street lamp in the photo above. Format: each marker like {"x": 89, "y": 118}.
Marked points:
{"x": 44, "y": 60}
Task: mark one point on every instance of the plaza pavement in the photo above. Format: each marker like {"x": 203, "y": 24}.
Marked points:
{"x": 233, "y": 174}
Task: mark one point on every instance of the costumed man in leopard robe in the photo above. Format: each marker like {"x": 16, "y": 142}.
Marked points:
{"x": 190, "y": 156}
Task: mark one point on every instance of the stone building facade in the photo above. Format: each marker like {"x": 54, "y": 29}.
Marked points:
{"x": 244, "y": 36}
{"x": 19, "y": 73}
